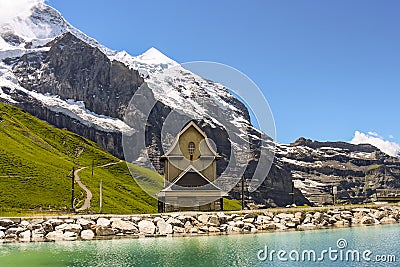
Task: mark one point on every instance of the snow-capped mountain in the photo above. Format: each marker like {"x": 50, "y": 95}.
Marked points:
{"x": 55, "y": 72}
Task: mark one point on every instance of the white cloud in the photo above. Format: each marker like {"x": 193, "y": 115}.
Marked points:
{"x": 10, "y": 9}
{"x": 374, "y": 134}
{"x": 391, "y": 136}
{"x": 390, "y": 148}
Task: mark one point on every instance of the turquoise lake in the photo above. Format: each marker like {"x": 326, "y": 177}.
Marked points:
{"x": 228, "y": 250}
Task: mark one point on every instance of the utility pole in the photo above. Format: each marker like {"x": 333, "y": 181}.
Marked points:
{"x": 92, "y": 168}
{"x": 334, "y": 193}
{"x": 292, "y": 193}
{"x": 73, "y": 189}
{"x": 242, "y": 192}
{"x": 101, "y": 196}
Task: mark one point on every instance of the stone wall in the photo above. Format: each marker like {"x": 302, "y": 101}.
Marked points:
{"x": 87, "y": 227}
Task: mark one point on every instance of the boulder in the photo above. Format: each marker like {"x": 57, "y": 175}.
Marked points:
{"x": 70, "y": 236}
{"x": 238, "y": 218}
{"x": 299, "y": 215}
{"x": 339, "y": 223}
{"x": 266, "y": 226}
{"x": 179, "y": 230}
{"x": 263, "y": 219}
{"x": 146, "y": 227}
{"x": 318, "y": 217}
{"x": 26, "y": 225}
{"x": 2, "y": 235}
{"x": 296, "y": 221}
{"x": 55, "y": 222}
{"x": 136, "y": 219}
{"x": 36, "y": 226}
{"x": 86, "y": 224}
{"x": 103, "y": 222}
{"x": 213, "y": 229}
{"x": 124, "y": 226}
{"x": 14, "y": 230}
{"x": 380, "y": 214}
{"x": 290, "y": 224}
{"x": 203, "y": 218}
{"x": 346, "y": 216}
{"x": 164, "y": 228}
{"x": 359, "y": 215}
{"x": 61, "y": 227}
{"x": 249, "y": 220}
{"x": 6, "y": 222}
{"x": 222, "y": 217}
{"x": 248, "y": 226}
{"x": 175, "y": 222}
{"x": 367, "y": 220}
{"x": 104, "y": 231}
{"x": 213, "y": 221}
{"x": 223, "y": 227}
{"x": 87, "y": 234}
{"x": 48, "y": 227}
{"x": 239, "y": 224}
{"x": 307, "y": 219}
{"x": 55, "y": 235}
{"x": 333, "y": 212}
{"x": 73, "y": 227}
{"x": 324, "y": 223}
{"x": 194, "y": 230}
{"x": 157, "y": 219}
{"x": 250, "y": 215}
{"x": 388, "y": 220}
{"x": 276, "y": 220}
{"x": 188, "y": 226}
{"x": 37, "y": 237}
{"x": 280, "y": 226}
{"x": 231, "y": 223}
{"x": 25, "y": 236}
{"x": 203, "y": 229}
{"x": 234, "y": 229}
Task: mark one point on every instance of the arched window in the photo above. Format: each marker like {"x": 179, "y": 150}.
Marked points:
{"x": 191, "y": 149}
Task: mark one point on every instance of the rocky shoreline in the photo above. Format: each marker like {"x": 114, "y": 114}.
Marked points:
{"x": 88, "y": 227}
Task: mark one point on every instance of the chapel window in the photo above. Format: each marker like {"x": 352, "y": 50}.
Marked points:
{"x": 191, "y": 149}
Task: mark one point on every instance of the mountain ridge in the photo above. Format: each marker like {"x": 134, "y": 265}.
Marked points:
{"x": 73, "y": 82}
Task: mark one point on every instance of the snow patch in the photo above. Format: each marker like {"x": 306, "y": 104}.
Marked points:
{"x": 70, "y": 107}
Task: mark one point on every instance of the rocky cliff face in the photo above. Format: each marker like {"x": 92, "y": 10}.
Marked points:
{"x": 73, "y": 69}
{"x": 358, "y": 171}
{"x": 71, "y": 81}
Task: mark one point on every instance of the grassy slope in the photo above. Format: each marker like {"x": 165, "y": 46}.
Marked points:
{"x": 232, "y": 204}
{"x": 121, "y": 194}
{"x": 36, "y": 158}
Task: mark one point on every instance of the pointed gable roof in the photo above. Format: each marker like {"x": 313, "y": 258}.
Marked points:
{"x": 191, "y": 179}
{"x": 194, "y": 125}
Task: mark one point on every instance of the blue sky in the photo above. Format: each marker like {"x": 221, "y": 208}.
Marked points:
{"x": 327, "y": 68}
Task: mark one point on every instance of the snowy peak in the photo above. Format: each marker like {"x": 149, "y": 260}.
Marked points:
{"x": 155, "y": 57}
{"x": 38, "y": 25}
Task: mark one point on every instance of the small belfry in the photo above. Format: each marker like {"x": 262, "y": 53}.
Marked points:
{"x": 190, "y": 171}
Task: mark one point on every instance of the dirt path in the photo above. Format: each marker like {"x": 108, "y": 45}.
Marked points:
{"x": 89, "y": 194}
